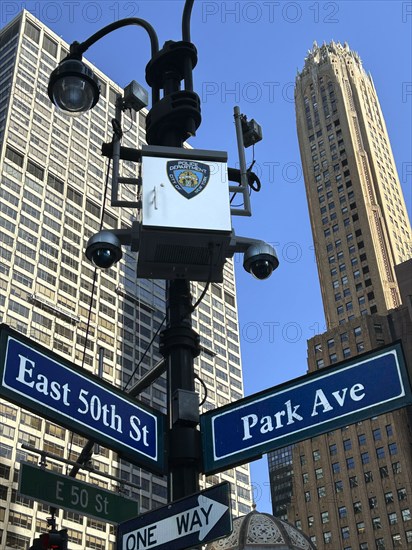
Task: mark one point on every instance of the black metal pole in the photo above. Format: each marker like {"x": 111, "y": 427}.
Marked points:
{"x": 172, "y": 120}
{"x": 180, "y": 344}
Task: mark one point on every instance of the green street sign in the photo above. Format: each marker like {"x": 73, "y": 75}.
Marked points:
{"x": 69, "y": 493}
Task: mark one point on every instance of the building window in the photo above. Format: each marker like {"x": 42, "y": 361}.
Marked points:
{"x": 333, "y": 449}
{"x": 347, "y": 444}
{"x": 377, "y": 434}
{"x": 321, "y": 492}
{"x": 397, "y": 541}
{"x": 353, "y": 482}
{"x": 345, "y": 532}
{"x": 392, "y": 518}
{"x": 402, "y": 494}
{"x": 396, "y": 467}
{"x": 325, "y": 517}
{"x": 338, "y": 486}
{"x": 376, "y": 523}
{"x": 380, "y": 452}
{"x": 311, "y": 521}
{"x": 357, "y": 507}
{"x": 336, "y": 467}
{"x": 365, "y": 458}
{"x": 327, "y": 537}
{"x": 389, "y": 430}
{"x": 350, "y": 463}
{"x": 305, "y": 478}
{"x": 373, "y": 502}
{"x": 393, "y": 449}
{"x": 316, "y": 455}
{"x": 384, "y": 472}
{"x": 342, "y": 511}
{"x": 362, "y": 439}
{"x": 406, "y": 514}
{"x": 319, "y": 473}
{"x": 320, "y": 363}
{"x": 346, "y": 352}
{"x": 368, "y": 477}
{"x": 307, "y": 496}
{"x": 360, "y": 527}
{"x": 333, "y": 358}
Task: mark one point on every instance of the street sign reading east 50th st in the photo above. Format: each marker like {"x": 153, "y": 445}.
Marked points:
{"x": 305, "y": 407}
{"x": 191, "y": 521}
{"x": 37, "y": 379}
{"x": 69, "y": 493}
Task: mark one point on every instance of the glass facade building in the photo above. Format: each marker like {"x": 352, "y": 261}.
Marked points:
{"x": 51, "y": 201}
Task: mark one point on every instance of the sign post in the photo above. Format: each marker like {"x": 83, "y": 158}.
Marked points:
{"x": 193, "y": 520}
{"x": 39, "y": 380}
{"x": 69, "y": 493}
{"x": 305, "y": 407}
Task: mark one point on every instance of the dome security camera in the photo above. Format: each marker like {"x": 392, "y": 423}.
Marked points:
{"x": 104, "y": 249}
{"x": 260, "y": 260}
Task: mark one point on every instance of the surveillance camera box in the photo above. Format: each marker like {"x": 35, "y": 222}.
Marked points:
{"x": 186, "y": 222}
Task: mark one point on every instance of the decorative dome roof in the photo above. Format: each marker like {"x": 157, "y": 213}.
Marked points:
{"x": 260, "y": 531}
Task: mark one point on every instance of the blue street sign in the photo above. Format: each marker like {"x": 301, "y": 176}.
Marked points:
{"x": 41, "y": 381}
{"x": 305, "y": 407}
{"x": 191, "y": 521}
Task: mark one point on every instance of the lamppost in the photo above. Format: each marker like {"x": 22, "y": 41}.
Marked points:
{"x": 173, "y": 118}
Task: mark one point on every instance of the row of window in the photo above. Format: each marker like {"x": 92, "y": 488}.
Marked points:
{"x": 353, "y": 481}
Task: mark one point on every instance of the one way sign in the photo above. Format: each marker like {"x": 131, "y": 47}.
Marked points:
{"x": 194, "y": 520}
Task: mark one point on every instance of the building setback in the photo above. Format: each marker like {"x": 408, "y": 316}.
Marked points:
{"x": 351, "y": 488}
{"x": 51, "y": 195}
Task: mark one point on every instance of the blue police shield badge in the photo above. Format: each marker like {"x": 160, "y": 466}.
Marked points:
{"x": 188, "y": 177}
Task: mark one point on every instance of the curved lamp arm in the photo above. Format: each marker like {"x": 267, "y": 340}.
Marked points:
{"x": 79, "y": 48}
{"x": 187, "y": 12}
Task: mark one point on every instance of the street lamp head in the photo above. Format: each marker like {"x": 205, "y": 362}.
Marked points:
{"x": 73, "y": 87}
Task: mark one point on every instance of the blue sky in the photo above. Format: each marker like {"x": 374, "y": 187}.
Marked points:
{"x": 249, "y": 53}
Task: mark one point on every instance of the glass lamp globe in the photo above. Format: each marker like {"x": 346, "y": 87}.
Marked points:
{"x": 73, "y": 87}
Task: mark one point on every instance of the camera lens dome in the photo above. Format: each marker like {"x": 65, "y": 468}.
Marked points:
{"x": 104, "y": 249}
{"x": 260, "y": 260}
{"x": 104, "y": 258}
{"x": 261, "y": 269}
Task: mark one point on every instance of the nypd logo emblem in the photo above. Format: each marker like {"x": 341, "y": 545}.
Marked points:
{"x": 188, "y": 177}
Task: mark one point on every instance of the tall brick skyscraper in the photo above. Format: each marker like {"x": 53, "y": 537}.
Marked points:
{"x": 359, "y": 220}
{"x": 351, "y": 489}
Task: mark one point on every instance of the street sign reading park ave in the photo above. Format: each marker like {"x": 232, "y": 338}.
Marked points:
{"x": 69, "y": 493}
{"x": 308, "y": 406}
{"x": 191, "y": 521}
{"x": 39, "y": 380}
